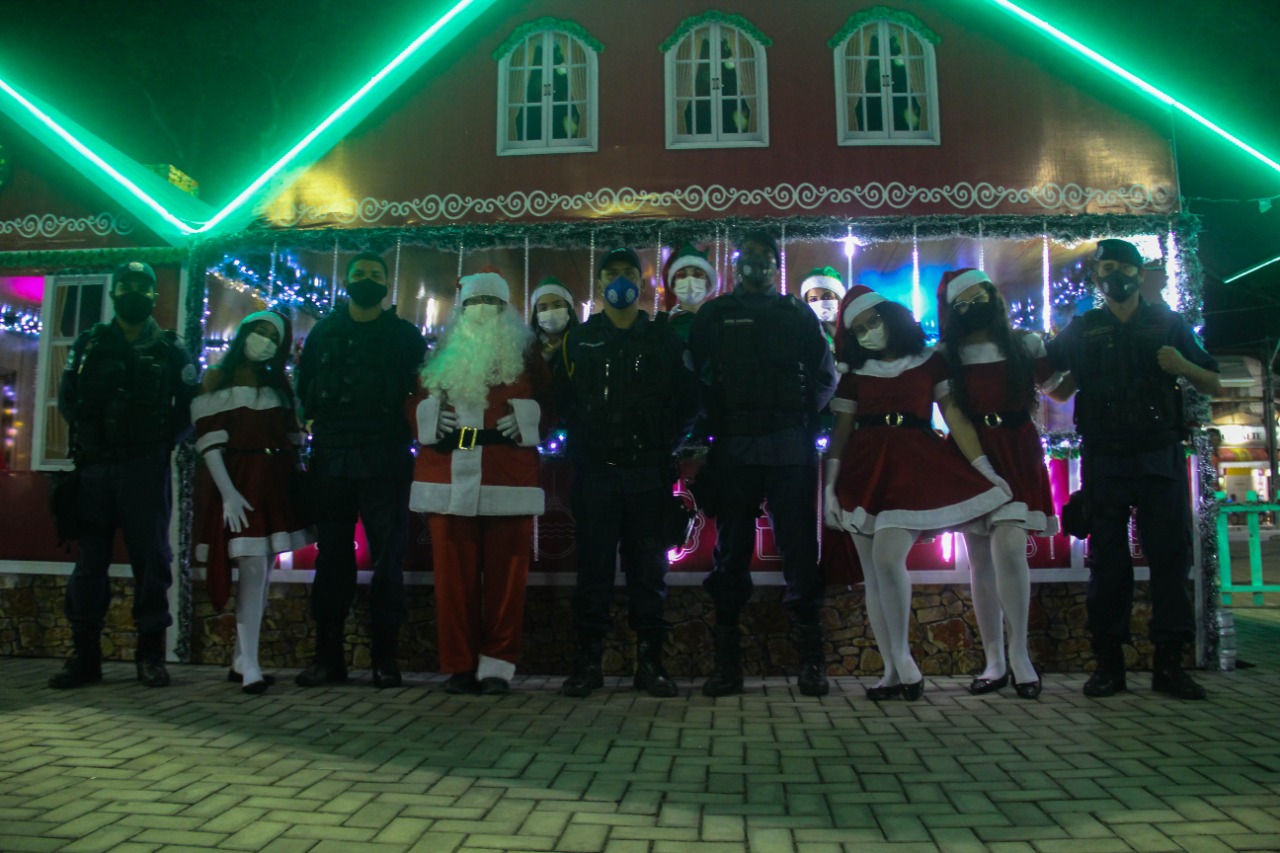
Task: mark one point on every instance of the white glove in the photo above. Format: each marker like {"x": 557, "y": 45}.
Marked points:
{"x": 983, "y": 464}
{"x": 446, "y": 422}
{"x": 832, "y": 515}
{"x": 507, "y": 426}
{"x": 234, "y": 506}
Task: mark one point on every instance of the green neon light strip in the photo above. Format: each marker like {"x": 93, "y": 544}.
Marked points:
{"x": 284, "y": 161}
{"x": 89, "y": 155}
{"x": 1251, "y": 270}
{"x": 1133, "y": 79}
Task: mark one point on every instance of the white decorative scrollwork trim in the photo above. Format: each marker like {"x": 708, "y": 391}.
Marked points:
{"x": 50, "y": 225}
{"x": 1063, "y": 198}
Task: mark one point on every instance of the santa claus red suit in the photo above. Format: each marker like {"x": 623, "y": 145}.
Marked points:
{"x": 484, "y": 405}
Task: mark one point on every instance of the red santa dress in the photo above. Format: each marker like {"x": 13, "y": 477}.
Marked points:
{"x": 480, "y": 505}
{"x": 1010, "y": 440}
{"x": 259, "y": 436}
{"x": 904, "y": 476}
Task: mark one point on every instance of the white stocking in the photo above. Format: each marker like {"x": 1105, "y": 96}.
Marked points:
{"x": 1013, "y": 583}
{"x": 251, "y": 601}
{"x": 889, "y": 549}
{"x": 986, "y": 603}
{"x": 875, "y": 608}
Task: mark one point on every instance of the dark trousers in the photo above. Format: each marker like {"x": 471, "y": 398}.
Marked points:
{"x": 619, "y": 510}
{"x": 1163, "y": 521}
{"x": 134, "y": 496}
{"x": 791, "y": 491}
{"x": 382, "y": 503}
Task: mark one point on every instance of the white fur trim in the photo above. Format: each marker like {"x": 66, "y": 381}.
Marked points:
{"x": 963, "y": 282}
{"x": 494, "y": 668}
{"x": 428, "y": 420}
{"x": 483, "y": 284}
{"x": 841, "y": 367}
{"x": 685, "y": 261}
{"x": 262, "y": 546}
{"x": 889, "y": 369}
{"x": 858, "y": 520}
{"x": 981, "y": 353}
{"x": 841, "y": 406}
{"x": 1016, "y": 513}
{"x": 528, "y": 413}
{"x": 824, "y": 281}
{"x": 489, "y": 500}
{"x": 857, "y": 306}
{"x": 1052, "y": 382}
{"x": 558, "y": 289}
{"x": 270, "y": 316}
{"x": 942, "y": 389}
{"x": 212, "y": 439}
{"x": 235, "y": 397}
{"x": 1034, "y": 345}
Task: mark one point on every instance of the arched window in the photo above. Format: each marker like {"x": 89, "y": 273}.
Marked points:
{"x": 717, "y": 85}
{"x": 547, "y": 89}
{"x": 886, "y": 80}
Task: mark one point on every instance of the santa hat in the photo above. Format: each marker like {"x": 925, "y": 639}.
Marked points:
{"x": 271, "y": 317}
{"x": 858, "y": 299}
{"x": 682, "y": 258}
{"x": 551, "y": 285}
{"x": 825, "y": 278}
{"x": 956, "y": 282}
{"x": 487, "y": 283}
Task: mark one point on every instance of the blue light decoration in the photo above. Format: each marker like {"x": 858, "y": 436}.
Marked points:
{"x": 554, "y": 444}
{"x": 16, "y": 321}
{"x": 288, "y": 287}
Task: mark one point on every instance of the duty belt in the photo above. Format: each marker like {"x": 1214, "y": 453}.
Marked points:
{"x": 1005, "y": 419}
{"x": 892, "y": 419}
{"x": 468, "y": 438}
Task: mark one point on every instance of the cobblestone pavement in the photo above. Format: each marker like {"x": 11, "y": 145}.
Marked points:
{"x": 199, "y": 766}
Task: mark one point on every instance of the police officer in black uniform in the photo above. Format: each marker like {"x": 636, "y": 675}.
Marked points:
{"x": 766, "y": 373}
{"x": 126, "y": 392}
{"x": 624, "y": 381}
{"x": 359, "y": 365}
{"x": 1126, "y": 359}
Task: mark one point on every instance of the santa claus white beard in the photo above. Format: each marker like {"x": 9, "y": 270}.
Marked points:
{"x": 475, "y": 355}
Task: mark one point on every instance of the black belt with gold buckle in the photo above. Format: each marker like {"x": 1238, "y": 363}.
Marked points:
{"x": 892, "y": 419}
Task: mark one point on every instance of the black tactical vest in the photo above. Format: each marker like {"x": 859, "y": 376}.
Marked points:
{"x": 124, "y": 395}
{"x": 759, "y": 383}
{"x": 1126, "y": 403}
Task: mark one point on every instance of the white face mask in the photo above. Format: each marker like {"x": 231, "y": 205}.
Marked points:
{"x": 553, "y": 320}
{"x": 481, "y": 313}
{"x": 258, "y": 347}
{"x": 826, "y": 309}
{"x": 690, "y": 290}
{"x": 874, "y": 339}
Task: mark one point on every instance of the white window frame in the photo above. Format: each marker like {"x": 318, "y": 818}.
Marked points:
{"x": 760, "y": 139}
{"x": 888, "y": 136}
{"x": 47, "y": 378}
{"x": 590, "y": 142}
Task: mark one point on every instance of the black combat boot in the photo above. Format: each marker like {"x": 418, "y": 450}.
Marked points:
{"x": 1108, "y": 678}
{"x": 651, "y": 676}
{"x": 386, "y": 643}
{"x": 1168, "y": 676}
{"x": 149, "y": 659}
{"x": 84, "y": 666}
{"x": 726, "y": 672}
{"x": 813, "y": 661}
{"x": 587, "y": 672}
{"x": 330, "y": 663}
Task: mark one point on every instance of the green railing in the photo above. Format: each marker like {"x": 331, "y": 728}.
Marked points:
{"x": 1251, "y": 509}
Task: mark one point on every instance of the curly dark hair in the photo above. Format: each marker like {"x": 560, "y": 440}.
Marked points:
{"x": 271, "y": 373}
{"x": 1019, "y": 369}
{"x": 904, "y": 333}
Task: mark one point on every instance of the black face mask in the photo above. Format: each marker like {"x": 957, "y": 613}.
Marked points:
{"x": 366, "y": 293}
{"x": 133, "y": 307}
{"x": 1119, "y": 286}
{"x": 753, "y": 271}
{"x": 978, "y": 316}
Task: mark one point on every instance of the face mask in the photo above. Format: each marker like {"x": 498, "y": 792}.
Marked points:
{"x": 978, "y": 316}
{"x": 133, "y": 307}
{"x": 874, "y": 340}
{"x": 481, "y": 313}
{"x": 621, "y": 293}
{"x": 753, "y": 271}
{"x": 553, "y": 320}
{"x": 258, "y": 347}
{"x": 826, "y": 309}
{"x": 690, "y": 290}
{"x": 366, "y": 293}
{"x": 1119, "y": 286}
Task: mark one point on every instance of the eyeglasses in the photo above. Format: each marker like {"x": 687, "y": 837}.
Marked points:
{"x": 962, "y": 307}
{"x": 869, "y": 326}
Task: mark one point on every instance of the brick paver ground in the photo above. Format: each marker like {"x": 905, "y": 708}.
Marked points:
{"x": 199, "y": 766}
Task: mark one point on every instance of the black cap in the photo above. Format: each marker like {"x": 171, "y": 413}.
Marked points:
{"x": 765, "y": 239}
{"x": 1121, "y": 251}
{"x": 134, "y": 269}
{"x": 619, "y": 254}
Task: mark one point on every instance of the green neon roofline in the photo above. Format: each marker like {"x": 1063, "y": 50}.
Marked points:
{"x": 84, "y": 151}
{"x": 279, "y": 166}
{"x": 1251, "y": 270}
{"x": 1135, "y": 80}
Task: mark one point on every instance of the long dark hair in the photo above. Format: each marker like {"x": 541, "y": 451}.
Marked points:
{"x": 271, "y": 372}
{"x": 904, "y": 334}
{"x": 1019, "y": 369}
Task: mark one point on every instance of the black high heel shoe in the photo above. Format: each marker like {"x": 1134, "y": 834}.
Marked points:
{"x": 1027, "y": 690}
{"x": 980, "y": 686}
{"x": 236, "y": 678}
{"x": 879, "y": 694}
{"x": 912, "y": 692}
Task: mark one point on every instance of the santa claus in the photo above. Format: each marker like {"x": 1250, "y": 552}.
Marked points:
{"x": 484, "y": 405}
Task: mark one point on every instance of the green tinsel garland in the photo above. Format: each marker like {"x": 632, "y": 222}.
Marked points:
{"x": 688, "y": 25}
{"x": 90, "y": 258}
{"x": 561, "y": 25}
{"x": 883, "y": 13}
